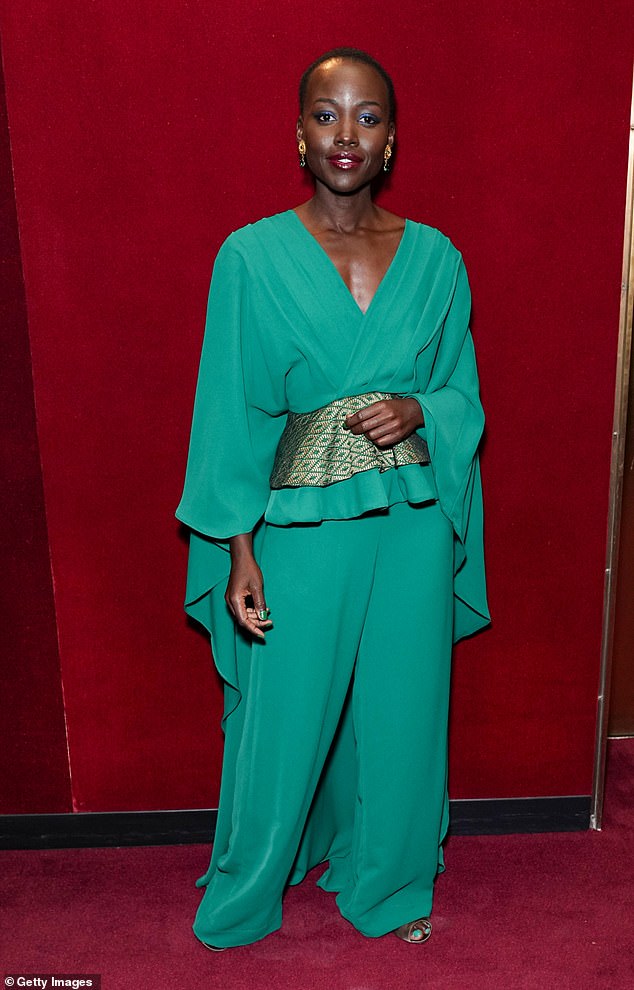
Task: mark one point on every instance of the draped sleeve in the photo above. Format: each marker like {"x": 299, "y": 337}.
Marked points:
{"x": 454, "y": 421}
{"x": 237, "y": 421}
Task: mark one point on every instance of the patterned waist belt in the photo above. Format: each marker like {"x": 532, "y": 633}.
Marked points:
{"x": 316, "y": 449}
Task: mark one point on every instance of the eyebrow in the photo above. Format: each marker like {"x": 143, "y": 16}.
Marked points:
{"x": 362, "y": 103}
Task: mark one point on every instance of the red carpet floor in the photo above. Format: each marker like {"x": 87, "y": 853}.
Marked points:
{"x": 515, "y": 912}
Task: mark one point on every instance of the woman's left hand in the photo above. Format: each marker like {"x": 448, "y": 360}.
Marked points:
{"x": 387, "y": 422}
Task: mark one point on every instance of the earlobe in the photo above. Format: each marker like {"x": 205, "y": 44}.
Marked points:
{"x": 299, "y": 132}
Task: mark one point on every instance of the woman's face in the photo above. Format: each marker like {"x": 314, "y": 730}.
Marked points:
{"x": 345, "y": 124}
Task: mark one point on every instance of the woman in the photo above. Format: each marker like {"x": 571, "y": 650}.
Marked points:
{"x": 333, "y": 476}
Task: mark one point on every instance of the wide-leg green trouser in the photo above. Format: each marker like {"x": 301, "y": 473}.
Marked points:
{"x": 338, "y": 748}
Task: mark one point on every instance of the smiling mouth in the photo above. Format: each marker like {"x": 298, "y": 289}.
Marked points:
{"x": 345, "y": 161}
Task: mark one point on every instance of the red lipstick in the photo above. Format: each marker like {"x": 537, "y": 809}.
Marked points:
{"x": 345, "y": 159}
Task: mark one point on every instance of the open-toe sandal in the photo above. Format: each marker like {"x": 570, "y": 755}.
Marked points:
{"x": 214, "y": 948}
{"x": 414, "y": 931}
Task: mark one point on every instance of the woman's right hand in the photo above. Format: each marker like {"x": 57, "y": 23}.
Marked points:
{"x": 245, "y": 581}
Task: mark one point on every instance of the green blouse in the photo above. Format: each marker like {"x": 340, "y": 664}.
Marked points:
{"x": 283, "y": 332}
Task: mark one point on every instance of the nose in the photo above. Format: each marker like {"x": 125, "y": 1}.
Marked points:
{"x": 347, "y": 132}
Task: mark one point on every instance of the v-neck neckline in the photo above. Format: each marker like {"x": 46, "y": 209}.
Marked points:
{"x": 331, "y": 265}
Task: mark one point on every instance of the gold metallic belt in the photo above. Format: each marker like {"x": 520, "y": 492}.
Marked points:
{"x": 316, "y": 449}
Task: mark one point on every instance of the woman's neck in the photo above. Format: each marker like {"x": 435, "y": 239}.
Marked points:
{"x": 332, "y": 211}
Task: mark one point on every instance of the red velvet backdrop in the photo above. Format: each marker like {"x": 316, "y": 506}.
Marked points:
{"x": 34, "y": 770}
{"x": 141, "y": 134}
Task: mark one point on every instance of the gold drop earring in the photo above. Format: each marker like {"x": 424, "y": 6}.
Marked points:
{"x": 387, "y": 154}
{"x": 301, "y": 147}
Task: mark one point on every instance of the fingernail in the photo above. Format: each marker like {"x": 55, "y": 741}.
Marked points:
{"x": 264, "y": 614}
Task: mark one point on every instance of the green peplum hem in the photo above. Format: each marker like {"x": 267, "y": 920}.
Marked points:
{"x": 367, "y": 491}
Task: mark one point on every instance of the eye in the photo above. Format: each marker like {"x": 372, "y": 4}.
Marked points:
{"x": 324, "y": 117}
{"x": 369, "y": 119}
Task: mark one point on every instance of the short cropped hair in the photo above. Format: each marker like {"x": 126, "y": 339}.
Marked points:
{"x": 351, "y": 55}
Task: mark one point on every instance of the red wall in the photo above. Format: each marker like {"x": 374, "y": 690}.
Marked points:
{"x": 34, "y": 771}
{"x": 141, "y": 135}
